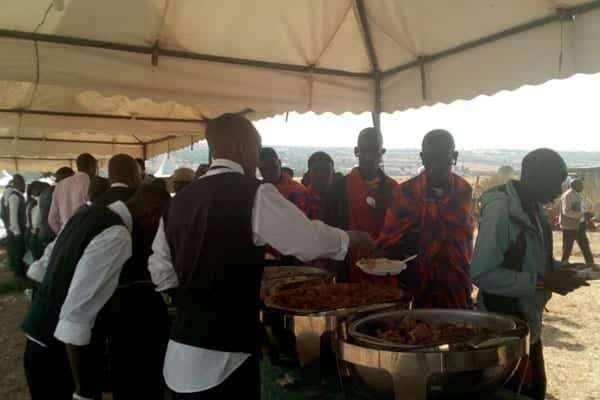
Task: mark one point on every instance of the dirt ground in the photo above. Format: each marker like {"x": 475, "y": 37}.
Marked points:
{"x": 571, "y": 339}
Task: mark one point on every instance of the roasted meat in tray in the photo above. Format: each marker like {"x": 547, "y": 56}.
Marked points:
{"x": 331, "y": 296}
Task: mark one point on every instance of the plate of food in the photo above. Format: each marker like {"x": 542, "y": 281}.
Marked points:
{"x": 588, "y": 273}
{"x": 383, "y": 266}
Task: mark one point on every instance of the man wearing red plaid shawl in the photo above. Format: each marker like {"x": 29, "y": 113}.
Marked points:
{"x": 431, "y": 216}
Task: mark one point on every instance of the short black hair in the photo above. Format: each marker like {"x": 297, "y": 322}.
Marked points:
{"x": 85, "y": 161}
{"x": 98, "y": 185}
{"x": 317, "y": 157}
{"x": 268, "y": 153}
{"x": 18, "y": 178}
{"x": 62, "y": 173}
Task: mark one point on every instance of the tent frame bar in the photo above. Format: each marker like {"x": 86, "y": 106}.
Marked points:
{"x": 561, "y": 14}
{"x": 92, "y": 115}
{"x": 155, "y": 51}
{"x": 376, "y": 73}
{"x": 51, "y": 140}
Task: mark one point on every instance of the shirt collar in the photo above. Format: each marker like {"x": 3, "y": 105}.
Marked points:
{"x": 118, "y": 184}
{"x": 224, "y": 165}
{"x": 122, "y": 211}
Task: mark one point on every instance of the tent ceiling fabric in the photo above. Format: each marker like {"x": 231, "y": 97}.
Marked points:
{"x": 188, "y": 60}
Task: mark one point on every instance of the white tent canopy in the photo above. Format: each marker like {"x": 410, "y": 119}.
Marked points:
{"x": 142, "y": 76}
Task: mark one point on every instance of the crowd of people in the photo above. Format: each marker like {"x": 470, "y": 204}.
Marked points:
{"x": 111, "y": 254}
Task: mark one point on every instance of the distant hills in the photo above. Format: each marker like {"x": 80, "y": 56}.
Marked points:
{"x": 397, "y": 162}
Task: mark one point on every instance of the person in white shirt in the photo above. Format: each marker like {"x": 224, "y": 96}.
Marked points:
{"x": 16, "y": 227}
{"x": 209, "y": 251}
{"x": 34, "y": 219}
{"x": 573, "y": 218}
{"x": 78, "y": 274}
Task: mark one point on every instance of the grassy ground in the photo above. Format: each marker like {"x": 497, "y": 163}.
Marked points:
{"x": 571, "y": 338}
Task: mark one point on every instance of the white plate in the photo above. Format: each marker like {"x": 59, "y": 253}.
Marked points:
{"x": 381, "y": 267}
{"x": 589, "y": 274}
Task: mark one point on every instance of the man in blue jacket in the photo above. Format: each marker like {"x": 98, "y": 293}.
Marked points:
{"x": 513, "y": 264}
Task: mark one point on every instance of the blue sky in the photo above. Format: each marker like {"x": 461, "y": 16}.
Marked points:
{"x": 564, "y": 115}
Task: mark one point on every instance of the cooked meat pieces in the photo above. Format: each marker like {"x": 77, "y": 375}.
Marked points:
{"x": 327, "y": 296}
{"x": 409, "y": 331}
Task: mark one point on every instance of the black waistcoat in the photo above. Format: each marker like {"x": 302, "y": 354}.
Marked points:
{"x": 209, "y": 231}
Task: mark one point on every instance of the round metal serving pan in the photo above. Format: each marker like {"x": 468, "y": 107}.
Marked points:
{"x": 493, "y": 323}
{"x": 281, "y": 286}
{"x": 443, "y": 374}
{"x": 307, "y": 327}
{"x": 275, "y": 278}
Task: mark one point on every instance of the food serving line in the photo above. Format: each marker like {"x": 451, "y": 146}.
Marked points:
{"x": 363, "y": 341}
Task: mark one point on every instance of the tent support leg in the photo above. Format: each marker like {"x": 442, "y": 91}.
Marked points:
{"x": 376, "y": 114}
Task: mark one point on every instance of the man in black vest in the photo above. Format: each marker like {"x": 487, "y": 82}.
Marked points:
{"x": 210, "y": 247}
{"x": 16, "y": 227}
{"x": 79, "y": 272}
{"x": 124, "y": 176}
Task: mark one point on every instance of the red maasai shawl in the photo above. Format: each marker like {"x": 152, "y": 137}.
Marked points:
{"x": 315, "y": 204}
{"x": 294, "y": 192}
{"x": 366, "y": 217}
{"x": 440, "y": 275}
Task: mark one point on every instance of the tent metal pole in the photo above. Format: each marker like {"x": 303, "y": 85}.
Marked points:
{"x": 154, "y": 52}
{"x": 368, "y": 39}
{"x": 558, "y": 16}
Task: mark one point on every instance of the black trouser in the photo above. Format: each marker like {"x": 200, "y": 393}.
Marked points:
{"x": 48, "y": 371}
{"x": 243, "y": 383}
{"x": 537, "y": 388}
{"x": 15, "y": 246}
{"x": 137, "y": 341}
{"x": 36, "y": 246}
{"x": 579, "y": 235}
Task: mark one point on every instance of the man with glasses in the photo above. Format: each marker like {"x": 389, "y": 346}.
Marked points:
{"x": 431, "y": 217}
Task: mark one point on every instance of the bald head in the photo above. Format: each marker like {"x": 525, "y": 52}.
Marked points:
{"x": 369, "y": 150}
{"x": 542, "y": 173}
{"x": 233, "y": 137}
{"x": 123, "y": 168}
{"x": 438, "y": 154}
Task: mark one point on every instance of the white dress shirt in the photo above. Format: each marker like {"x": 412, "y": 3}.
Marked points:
{"x": 275, "y": 221}
{"x": 95, "y": 279}
{"x": 13, "y": 201}
{"x": 573, "y": 205}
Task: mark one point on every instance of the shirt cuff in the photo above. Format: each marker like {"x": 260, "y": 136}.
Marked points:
{"x": 35, "y": 272}
{"x": 78, "y": 334}
{"x": 345, "y": 242}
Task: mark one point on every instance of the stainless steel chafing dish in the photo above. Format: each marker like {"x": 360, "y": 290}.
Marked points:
{"x": 458, "y": 371}
{"x": 309, "y": 330}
